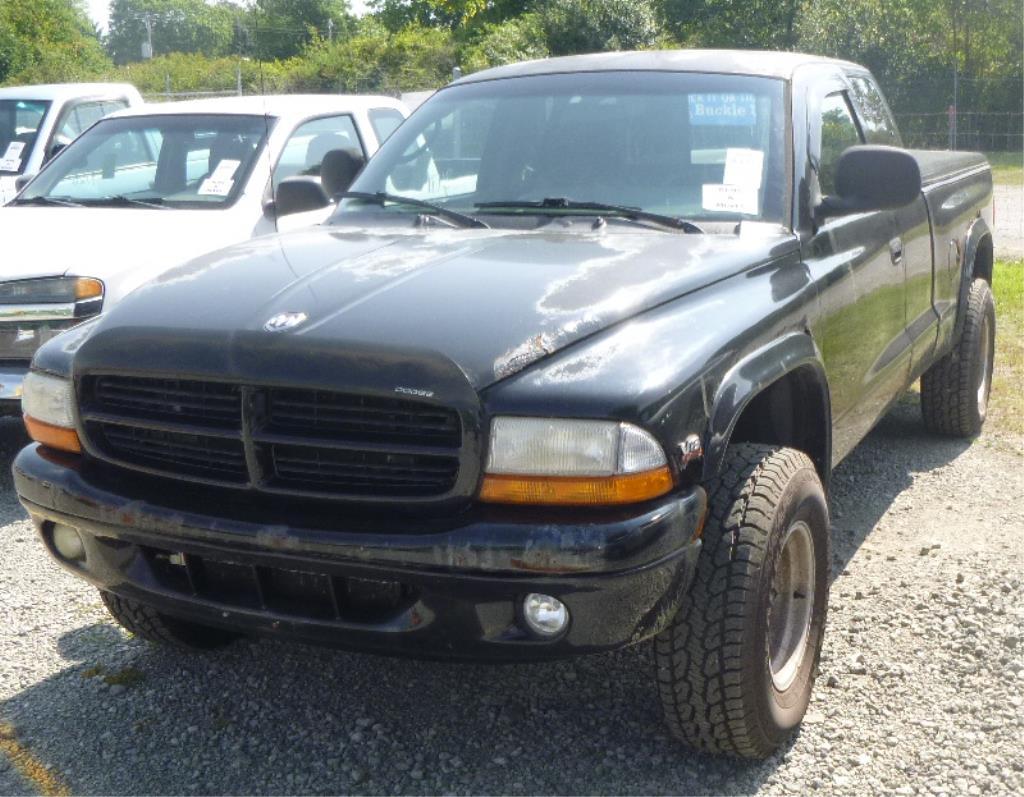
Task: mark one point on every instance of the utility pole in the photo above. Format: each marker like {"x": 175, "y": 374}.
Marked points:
{"x": 330, "y": 29}
{"x": 147, "y": 46}
{"x": 956, "y": 106}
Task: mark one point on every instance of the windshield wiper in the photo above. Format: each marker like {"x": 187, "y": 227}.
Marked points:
{"x": 626, "y": 212}
{"x": 121, "y": 201}
{"x": 380, "y": 197}
{"x": 46, "y": 200}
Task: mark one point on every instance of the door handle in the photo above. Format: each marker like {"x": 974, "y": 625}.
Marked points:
{"x": 896, "y": 251}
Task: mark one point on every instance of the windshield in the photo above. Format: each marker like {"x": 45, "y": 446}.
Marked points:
{"x": 697, "y": 146}
{"x": 194, "y": 161}
{"x": 20, "y": 121}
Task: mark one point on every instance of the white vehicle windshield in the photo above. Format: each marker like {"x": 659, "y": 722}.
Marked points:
{"x": 20, "y": 121}
{"x": 193, "y": 161}
{"x": 686, "y": 145}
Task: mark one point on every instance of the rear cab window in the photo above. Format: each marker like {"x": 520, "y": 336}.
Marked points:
{"x": 873, "y": 113}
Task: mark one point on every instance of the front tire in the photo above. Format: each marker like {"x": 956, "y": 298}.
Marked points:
{"x": 955, "y": 390}
{"x": 736, "y": 666}
{"x": 153, "y": 626}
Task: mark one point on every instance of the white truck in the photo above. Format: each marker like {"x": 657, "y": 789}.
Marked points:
{"x": 148, "y": 188}
{"x": 36, "y": 122}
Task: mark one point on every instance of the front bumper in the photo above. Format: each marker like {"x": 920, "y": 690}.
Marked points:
{"x": 450, "y": 590}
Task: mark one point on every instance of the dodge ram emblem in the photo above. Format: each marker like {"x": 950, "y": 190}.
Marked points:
{"x": 283, "y": 321}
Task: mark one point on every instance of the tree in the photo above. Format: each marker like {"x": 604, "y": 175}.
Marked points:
{"x": 47, "y": 40}
{"x": 761, "y": 24}
{"x": 281, "y": 28}
{"x": 582, "y": 26}
{"x": 492, "y": 44}
{"x": 178, "y": 26}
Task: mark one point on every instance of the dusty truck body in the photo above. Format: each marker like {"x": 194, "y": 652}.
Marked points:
{"x": 568, "y": 370}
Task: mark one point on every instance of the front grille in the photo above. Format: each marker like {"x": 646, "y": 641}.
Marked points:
{"x": 280, "y": 440}
{"x": 189, "y": 401}
{"x": 365, "y": 471}
{"x": 323, "y": 414}
{"x": 175, "y": 452}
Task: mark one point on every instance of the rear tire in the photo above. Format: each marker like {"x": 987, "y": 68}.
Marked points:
{"x": 736, "y": 666}
{"x": 955, "y": 390}
{"x": 153, "y": 626}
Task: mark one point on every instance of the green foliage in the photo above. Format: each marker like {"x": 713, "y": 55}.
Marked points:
{"x": 582, "y": 26}
{"x": 282, "y": 28}
{"x": 912, "y": 46}
{"x": 178, "y": 26}
{"x": 47, "y": 40}
{"x": 727, "y": 23}
{"x": 183, "y": 72}
{"x": 398, "y": 14}
{"x": 374, "y": 60}
{"x": 494, "y": 44}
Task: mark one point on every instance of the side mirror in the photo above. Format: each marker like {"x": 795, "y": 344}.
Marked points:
{"x": 21, "y": 181}
{"x": 872, "y": 177}
{"x": 298, "y": 195}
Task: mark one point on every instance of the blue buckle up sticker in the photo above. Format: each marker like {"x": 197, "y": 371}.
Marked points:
{"x": 739, "y": 110}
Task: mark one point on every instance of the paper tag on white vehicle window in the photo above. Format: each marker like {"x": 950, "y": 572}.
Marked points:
{"x": 221, "y": 181}
{"x": 225, "y": 170}
{"x": 11, "y": 161}
{"x": 730, "y": 198}
{"x": 743, "y": 167}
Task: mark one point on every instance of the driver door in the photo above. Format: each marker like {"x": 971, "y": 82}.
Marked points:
{"x": 861, "y": 330}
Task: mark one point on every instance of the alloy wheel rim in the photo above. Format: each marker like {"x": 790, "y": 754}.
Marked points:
{"x": 790, "y": 605}
{"x": 985, "y": 376}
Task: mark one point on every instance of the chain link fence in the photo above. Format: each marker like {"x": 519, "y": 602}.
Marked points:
{"x": 971, "y": 130}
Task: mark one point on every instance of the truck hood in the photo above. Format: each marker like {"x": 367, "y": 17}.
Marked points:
{"x": 111, "y": 244}
{"x": 488, "y": 302}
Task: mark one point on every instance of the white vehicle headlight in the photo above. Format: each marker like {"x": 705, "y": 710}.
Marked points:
{"x": 565, "y": 461}
{"x": 48, "y": 405}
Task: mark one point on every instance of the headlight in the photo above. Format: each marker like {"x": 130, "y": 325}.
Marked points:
{"x": 83, "y": 296}
{"x": 577, "y": 462}
{"x": 48, "y": 404}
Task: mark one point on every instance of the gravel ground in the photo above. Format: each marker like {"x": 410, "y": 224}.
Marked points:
{"x": 1009, "y": 226}
{"x": 920, "y": 688}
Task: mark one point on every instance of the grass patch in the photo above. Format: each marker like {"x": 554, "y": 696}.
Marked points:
{"x": 129, "y": 676}
{"x": 1007, "y": 167}
{"x": 1006, "y": 406}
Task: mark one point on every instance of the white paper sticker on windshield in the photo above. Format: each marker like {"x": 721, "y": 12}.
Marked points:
{"x": 743, "y": 167}
{"x": 221, "y": 181}
{"x": 730, "y": 198}
{"x": 11, "y": 161}
{"x": 212, "y": 187}
{"x": 225, "y": 170}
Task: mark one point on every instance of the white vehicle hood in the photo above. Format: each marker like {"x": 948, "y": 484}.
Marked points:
{"x": 124, "y": 247}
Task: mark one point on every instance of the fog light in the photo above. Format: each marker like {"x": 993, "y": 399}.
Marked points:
{"x": 68, "y": 542}
{"x": 545, "y": 615}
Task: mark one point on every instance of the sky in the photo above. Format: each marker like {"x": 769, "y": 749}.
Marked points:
{"x": 99, "y": 10}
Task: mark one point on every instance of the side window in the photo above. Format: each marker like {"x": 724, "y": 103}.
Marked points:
{"x": 385, "y": 121}
{"x": 75, "y": 119}
{"x": 876, "y": 120}
{"x": 305, "y": 150}
{"x": 838, "y": 132}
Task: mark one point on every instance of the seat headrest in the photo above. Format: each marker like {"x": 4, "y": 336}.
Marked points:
{"x": 339, "y": 169}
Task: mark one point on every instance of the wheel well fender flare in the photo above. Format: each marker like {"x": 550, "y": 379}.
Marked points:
{"x": 978, "y": 239}
{"x": 751, "y": 376}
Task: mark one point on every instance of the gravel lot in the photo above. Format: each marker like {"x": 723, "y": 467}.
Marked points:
{"x": 920, "y": 689}
{"x": 1009, "y": 226}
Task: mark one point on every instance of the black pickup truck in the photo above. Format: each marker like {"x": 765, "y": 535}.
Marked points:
{"x": 567, "y": 370}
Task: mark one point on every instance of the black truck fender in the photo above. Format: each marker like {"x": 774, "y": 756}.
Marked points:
{"x": 794, "y": 360}
{"x": 976, "y": 261}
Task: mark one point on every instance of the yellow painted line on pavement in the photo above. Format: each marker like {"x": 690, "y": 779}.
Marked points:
{"x": 33, "y": 770}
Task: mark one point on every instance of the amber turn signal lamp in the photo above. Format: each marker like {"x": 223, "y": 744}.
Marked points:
{"x": 87, "y": 288}
{"x": 629, "y": 488}
{"x": 57, "y": 437}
